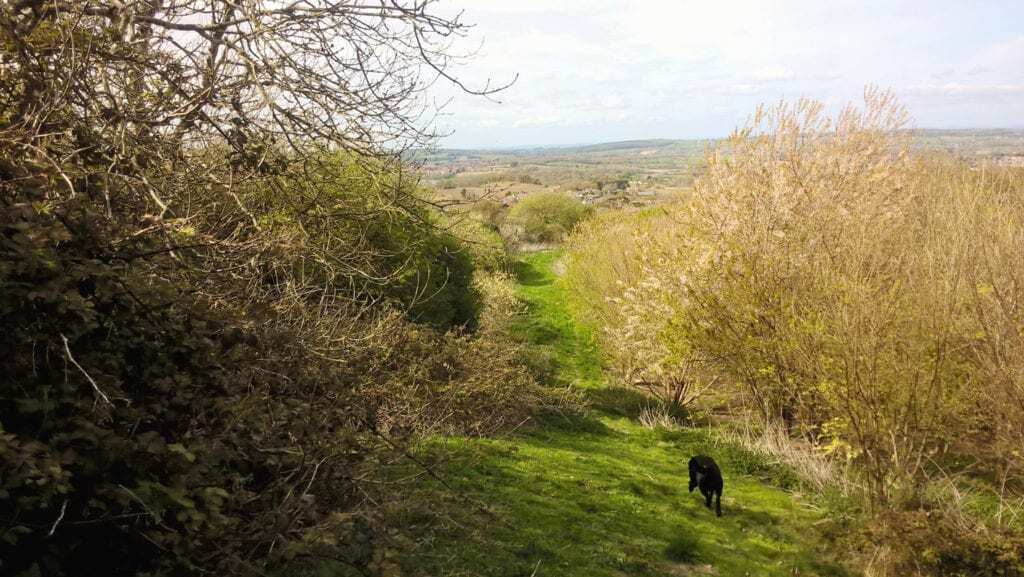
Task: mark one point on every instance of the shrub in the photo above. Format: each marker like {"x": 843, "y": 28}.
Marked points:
{"x": 481, "y": 242}
{"x": 145, "y": 431}
{"x": 207, "y": 357}
{"x": 490, "y": 212}
{"x": 833, "y": 275}
{"x": 919, "y": 543}
{"x": 610, "y": 261}
{"x": 853, "y": 291}
{"x": 544, "y": 217}
{"x": 454, "y": 382}
{"x": 431, "y": 273}
{"x": 360, "y": 242}
{"x": 234, "y": 374}
{"x": 438, "y": 384}
{"x": 148, "y": 428}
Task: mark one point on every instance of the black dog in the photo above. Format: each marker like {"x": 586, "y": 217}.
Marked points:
{"x": 704, "y": 473}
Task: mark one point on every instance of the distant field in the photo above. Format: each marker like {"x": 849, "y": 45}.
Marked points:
{"x": 637, "y": 172}
{"x": 634, "y": 173}
{"x": 1002, "y": 146}
{"x": 664, "y": 160}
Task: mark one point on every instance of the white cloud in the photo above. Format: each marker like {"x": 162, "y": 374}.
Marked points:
{"x": 688, "y": 28}
{"x": 539, "y": 120}
{"x": 604, "y": 69}
{"x": 1009, "y": 53}
{"x": 510, "y": 6}
{"x": 742, "y": 89}
{"x": 775, "y": 73}
{"x": 964, "y": 89}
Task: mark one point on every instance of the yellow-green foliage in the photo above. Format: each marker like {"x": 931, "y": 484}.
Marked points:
{"x": 863, "y": 295}
{"x": 544, "y": 217}
{"x": 601, "y": 258}
{"x": 611, "y": 260}
{"x": 481, "y": 241}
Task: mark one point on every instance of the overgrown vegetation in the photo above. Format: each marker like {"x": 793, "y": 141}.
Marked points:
{"x": 862, "y": 297}
{"x": 226, "y": 303}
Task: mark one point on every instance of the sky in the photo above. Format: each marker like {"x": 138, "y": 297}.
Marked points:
{"x": 606, "y": 70}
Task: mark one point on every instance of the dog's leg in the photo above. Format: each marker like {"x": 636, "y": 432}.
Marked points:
{"x": 707, "y": 498}
{"x": 718, "y": 504}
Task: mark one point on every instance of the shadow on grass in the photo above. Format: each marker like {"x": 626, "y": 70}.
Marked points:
{"x": 683, "y": 548}
{"x": 747, "y": 517}
{"x": 552, "y": 422}
{"x": 619, "y": 401}
{"x": 528, "y": 275}
{"x": 539, "y": 332}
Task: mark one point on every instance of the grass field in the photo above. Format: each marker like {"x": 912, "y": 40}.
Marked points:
{"x": 598, "y": 494}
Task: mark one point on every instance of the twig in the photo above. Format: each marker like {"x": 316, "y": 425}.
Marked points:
{"x": 67, "y": 350}
{"x": 63, "y": 507}
{"x": 312, "y": 478}
{"x": 144, "y": 506}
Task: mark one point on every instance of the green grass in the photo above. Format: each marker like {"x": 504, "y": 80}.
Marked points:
{"x": 549, "y": 327}
{"x": 597, "y": 494}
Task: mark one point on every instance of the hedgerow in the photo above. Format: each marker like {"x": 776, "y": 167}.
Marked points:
{"x": 226, "y": 305}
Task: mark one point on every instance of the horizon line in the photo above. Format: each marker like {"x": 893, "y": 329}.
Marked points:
{"x": 583, "y": 144}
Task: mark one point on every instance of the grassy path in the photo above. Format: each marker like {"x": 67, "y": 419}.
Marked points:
{"x": 600, "y": 495}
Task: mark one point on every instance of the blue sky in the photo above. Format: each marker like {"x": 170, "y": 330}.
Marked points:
{"x": 603, "y": 70}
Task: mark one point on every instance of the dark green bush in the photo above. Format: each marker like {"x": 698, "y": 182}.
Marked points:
{"x": 171, "y": 436}
{"x": 357, "y": 227}
{"x": 432, "y": 272}
{"x": 145, "y": 432}
{"x": 369, "y": 236}
{"x": 481, "y": 242}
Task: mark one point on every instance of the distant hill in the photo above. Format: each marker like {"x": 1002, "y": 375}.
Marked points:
{"x": 652, "y": 145}
{"x": 622, "y": 145}
{"x": 615, "y": 147}
{"x": 971, "y": 142}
